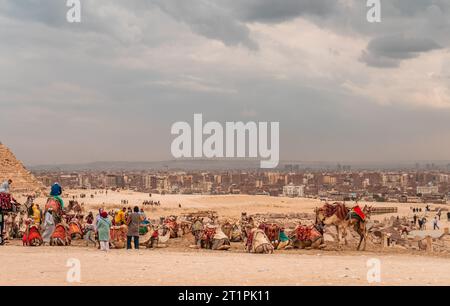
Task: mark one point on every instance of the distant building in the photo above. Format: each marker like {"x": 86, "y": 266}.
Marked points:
{"x": 427, "y": 189}
{"x": 329, "y": 180}
{"x": 293, "y": 191}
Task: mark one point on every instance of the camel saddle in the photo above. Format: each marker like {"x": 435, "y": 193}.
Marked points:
{"x": 6, "y": 201}
{"x": 307, "y": 233}
{"x": 209, "y": 233}
{"x": 54, "y": 204}
{"x": 338, "y": 209}
{"x": 60, "y": 232}
{"x": 271, "y": 230}
{"x": 357, "y": 212}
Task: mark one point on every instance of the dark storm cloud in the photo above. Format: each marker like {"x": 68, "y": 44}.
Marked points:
{"x": 389, "y": 51}
{"x": 48, "y": 12}
{"x": 278, "y": 11}
{"x": 209, "y": 19}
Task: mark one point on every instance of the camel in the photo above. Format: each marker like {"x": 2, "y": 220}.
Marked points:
{"x": 197, "y": 231}
{"x": 60, "y": 236}
{"x": 75, "y": 207}
{"x": 359, "y": 225}
{"x": 335, "y": 215}
{"x": 172, "y": 224}
{"x": 75, "y": 230}
{"x": 272, "y": 232}
{"x": 118, "y": 236}
{"x": 307, "y": 237}
{"x": 185, "y": 227}
{"x": 14, "y": 225}
{"x": 32, "y": 236}
{"x": 56, "y": 206}
{"x": 156, "y": 236}
{"x": 236, "y": 233}
{"x": 343, "y": 218}
{"x": 227, "y": 228}
{"x": 214, "y": 239}
{"x": 257, "y": 242}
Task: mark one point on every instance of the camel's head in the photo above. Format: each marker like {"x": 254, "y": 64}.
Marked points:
{"x": 367, "y": 210}
{"x": 320, "y": 216}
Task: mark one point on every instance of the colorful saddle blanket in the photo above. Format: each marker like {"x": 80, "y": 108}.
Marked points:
{"x": 6, "y": 201}
{"x": 357, "y": 212}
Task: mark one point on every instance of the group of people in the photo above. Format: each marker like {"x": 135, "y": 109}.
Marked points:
{"x": 422, "y": 221}
{"x": 130, "y": 217}
{"x": 101, "y": 225}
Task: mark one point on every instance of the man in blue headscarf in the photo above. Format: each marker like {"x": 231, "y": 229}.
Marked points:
{"x": 56, "y": 193}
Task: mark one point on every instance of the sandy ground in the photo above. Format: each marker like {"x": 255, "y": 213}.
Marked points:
{"x": 179, "y": 265}
{"x": 47, "y": 266}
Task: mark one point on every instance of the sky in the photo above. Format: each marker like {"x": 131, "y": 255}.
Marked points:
{"x": 110, "y": 88}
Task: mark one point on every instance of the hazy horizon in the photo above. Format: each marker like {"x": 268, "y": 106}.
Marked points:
{"x": 109, "y": 88}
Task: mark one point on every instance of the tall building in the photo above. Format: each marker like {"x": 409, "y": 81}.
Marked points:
{"x": 293, "y": 191}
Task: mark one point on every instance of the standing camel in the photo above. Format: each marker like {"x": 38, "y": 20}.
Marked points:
{"x": 343, "y": 218}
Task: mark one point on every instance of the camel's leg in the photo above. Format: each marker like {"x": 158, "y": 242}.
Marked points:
{"x": 359, "y": 229}
{"x": 344, "y": 234}
{"x": 338, "y": 234}
{"x": 364, "y": 233}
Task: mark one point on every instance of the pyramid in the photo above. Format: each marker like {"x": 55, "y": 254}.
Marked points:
{"x": 11, "y": 168}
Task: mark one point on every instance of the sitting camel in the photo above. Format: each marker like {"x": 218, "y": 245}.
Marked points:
{"x": 257, "y": 242}
{"x": 307, "y": 237}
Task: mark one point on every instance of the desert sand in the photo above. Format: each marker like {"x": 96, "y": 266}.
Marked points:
{"x": 180, "y": 265}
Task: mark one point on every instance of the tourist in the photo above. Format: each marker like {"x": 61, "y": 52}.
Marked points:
{"x": 435, "y": 223}
{"x": 133, "y": 222}
{"x": 119, "y": 218}
{"x": 99, "y": 215}
{"x": 4, "y": 188}
{"x": 142, "y": 213}
{"x": 423, "y": 223}
{"x": 49, "y": 226}
{"x": 439, "y": 214}
{"x": 415, "y": 219}
{"x": 89, "y": 229}
{"x": 56, "y": 192}
{"x": 103, "y": 228}
{"x": 37, "y": 214}
{"x": 90, "y": 218}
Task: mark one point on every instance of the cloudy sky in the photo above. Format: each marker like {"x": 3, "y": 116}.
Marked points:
{"x": 109, "y": 88}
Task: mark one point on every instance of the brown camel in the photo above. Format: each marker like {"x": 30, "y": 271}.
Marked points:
{"x": 343, "y": 218}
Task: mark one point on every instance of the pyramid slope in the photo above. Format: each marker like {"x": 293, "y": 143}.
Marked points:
{"x": 11, "y": 168}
